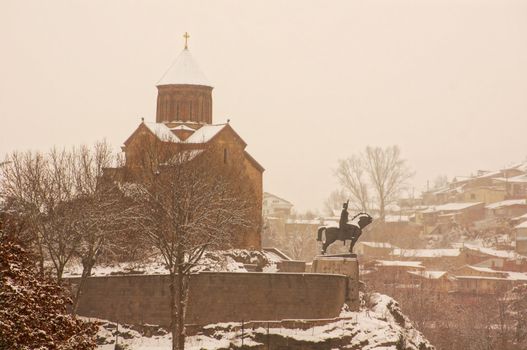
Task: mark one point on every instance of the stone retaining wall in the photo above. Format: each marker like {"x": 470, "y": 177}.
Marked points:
{"x": 216, "y": 297}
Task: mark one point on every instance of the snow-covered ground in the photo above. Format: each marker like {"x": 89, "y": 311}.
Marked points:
{"x": 233, "y": 260}
{"x": 380, "y": 326}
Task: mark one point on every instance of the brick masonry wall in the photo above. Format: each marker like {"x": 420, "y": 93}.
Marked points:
{"x": 215, "y": 297}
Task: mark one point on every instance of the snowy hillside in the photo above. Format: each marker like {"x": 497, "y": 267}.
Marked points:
{"x": 381, "y": 326}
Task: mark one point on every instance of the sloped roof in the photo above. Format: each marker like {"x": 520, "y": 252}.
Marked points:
{"x": 378, "y": 244}
{"x": 184, "y": 70}
{"x": 205, "y": 133}
{"x": 514, "y": 179}
{"x": 182, "y": 127}
{"x": 506, "y": 203}
{"x": 201, "y": 135}
{"x": 456, "y": 206}
{"x": 505, "y": 254}
{"x": 162, "y": 132}
{"x": 426, "y": 253}
{"x": 428, "y": 274}
{"x": 522, "y": 225}
{"x": 414, "y": 264}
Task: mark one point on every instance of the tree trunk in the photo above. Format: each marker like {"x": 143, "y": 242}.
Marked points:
{"x": 40, "y": 258}
{"x": 87, "y": 265}
{"x": 182, "y": 308}
{"x": 173, "y": 309}
{"x": 178, "y": 303}
{"x": 60, "y": 272}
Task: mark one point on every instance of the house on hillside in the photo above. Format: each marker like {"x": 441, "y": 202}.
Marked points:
{"x": 516, "y": 186}
{"x": 432, "y": 281}
{"x": 486, "y": 186}
{"x": 440, "y": 218}
{"x": 521, "y": 237}
{"x": 389, "y": 272}
{"x": 500, "y": 259}
{"x": 506, "y": 209}
{"x": 374, "y": 249}
{"x": 481, "y": 280}
{"x": 432, "y": 259}
{"x": 275, "y": 206}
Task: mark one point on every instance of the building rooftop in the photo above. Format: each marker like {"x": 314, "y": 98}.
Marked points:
{"x": 506, "y": 203}
{"x": 184, "y": 70}
{"x": 426, "y": 253}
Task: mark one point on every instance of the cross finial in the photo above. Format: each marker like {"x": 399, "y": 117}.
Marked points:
{"x": 186, "y": 36}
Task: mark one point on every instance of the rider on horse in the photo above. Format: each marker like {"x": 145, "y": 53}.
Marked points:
{"x": 344, "y": 227}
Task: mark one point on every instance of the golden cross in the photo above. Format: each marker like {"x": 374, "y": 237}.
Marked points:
{"x": 186, "y": 36}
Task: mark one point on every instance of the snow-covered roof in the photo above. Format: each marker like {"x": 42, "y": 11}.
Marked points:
{"x": 456, "y": 206}
{"x": 521, "y": 217}
{"x": 517, "y": 276}
{"x": 482, "y": 269}
{"x": 415, "y": 264}
{"x": 510, "y": 275}
{"x": 304, "y": 221}
{"x": 182, "y": 127}
{"x": 396, "y": 218}
{"x": 506, "y": 203}
{"x": 428, "y": 274}
{"x": 505, "y": 254}
{"x": 205, "y": 133}
{"x": 201, "y": 135}
{"x": 487, "y": 174}
{"x": 184, "y": 70}
{"x": 162, "y": 132}
{"x": 378, "y": 244}
{"x": 522, "y": 225}
{"x": 426, "y": 253}
{"x": 513, "y": 179}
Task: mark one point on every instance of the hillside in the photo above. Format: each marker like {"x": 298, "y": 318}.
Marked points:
{"x": 379, "y": 326}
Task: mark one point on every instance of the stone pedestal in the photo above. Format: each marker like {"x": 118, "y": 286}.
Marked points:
{"x": 341, "y": 264}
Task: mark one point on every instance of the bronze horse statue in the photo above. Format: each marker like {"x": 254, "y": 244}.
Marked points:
{"x": 353, "y": 233}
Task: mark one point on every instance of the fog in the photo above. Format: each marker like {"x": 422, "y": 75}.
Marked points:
{"x": 304, "y": 83}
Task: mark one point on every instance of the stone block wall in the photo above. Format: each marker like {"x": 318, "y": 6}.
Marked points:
{"x": 216, "y": 297}
{"x": 347, "y": 266}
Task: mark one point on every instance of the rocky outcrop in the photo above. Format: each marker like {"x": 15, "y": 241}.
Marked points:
{"x": 379, "y": 324}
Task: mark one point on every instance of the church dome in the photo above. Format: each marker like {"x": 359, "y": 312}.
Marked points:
{"x": 184, "y": 93}
{"x": 184, "y": 71}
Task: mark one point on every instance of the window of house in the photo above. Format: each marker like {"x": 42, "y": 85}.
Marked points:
{"x": 225, "y": 156}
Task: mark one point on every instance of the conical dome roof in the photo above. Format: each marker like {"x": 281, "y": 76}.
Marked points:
{"x": 184, "y": 70}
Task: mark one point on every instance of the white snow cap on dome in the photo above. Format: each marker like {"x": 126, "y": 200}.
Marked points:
{"x": 184, "y": 70}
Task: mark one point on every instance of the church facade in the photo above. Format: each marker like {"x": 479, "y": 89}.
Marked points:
{"x": 184, "y": 121}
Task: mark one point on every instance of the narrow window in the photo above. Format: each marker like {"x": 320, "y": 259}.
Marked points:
{"x": 225, "y": 156}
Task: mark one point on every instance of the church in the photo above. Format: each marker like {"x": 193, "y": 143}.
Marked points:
{"x": 184, "y": 120}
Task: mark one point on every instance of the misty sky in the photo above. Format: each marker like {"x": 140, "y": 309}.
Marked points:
{"x": 304, "y": 82}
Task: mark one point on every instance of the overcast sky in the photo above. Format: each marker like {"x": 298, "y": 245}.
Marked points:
{"x": 305, "y": 83}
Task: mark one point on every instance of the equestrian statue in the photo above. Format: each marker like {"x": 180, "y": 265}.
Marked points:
{"x": 345, "y": 231}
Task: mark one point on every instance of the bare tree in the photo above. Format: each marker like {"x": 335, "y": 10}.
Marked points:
{"x": 352, "y": 176}
{"x": 334, "y": 201}
{"x": 377, "y": 175}
{"x": 440, "y": 181}
{"x": 102, "y": 217}
{"x": 193, "y": 202}
{"x": 59, "y": 198}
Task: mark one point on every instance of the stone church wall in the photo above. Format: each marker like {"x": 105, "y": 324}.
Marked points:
{"x": 215, "y": 297}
